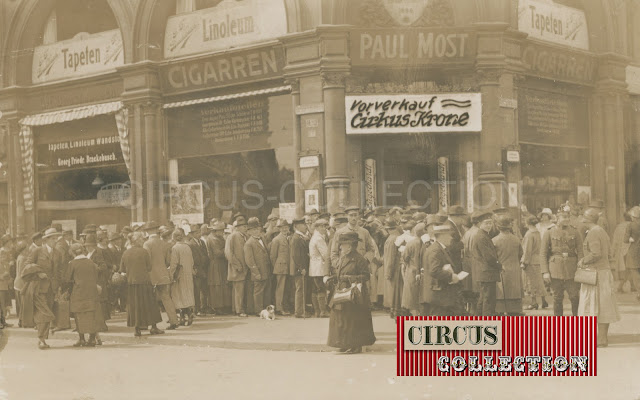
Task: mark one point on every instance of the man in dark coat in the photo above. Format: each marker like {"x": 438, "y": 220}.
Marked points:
{"x": 632, "y": 237}
{"x": 201, "y": 267}
{"x": 485, "y": 256}
{"x": 256, "y": 255}
{"x": 279, "y": 253}
{"x": 219, "y": 287}
{"x": 299, "y": 264}
{"x": 444, "y": 281}
{"x": 237, "y": 270}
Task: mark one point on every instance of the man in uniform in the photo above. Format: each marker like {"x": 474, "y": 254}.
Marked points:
{"x": 487, "y": 266}
{"x": 299, "y": 264}
{"x": 442, "y": 278}
{"x": 560, "y": 250}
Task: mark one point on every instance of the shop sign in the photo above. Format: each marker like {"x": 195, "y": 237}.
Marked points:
{"x": 551, "y": 22}
{"x": 80, "y": 153}
{"x": 551, "y": 118}
{"x": 83, "y": 55}
{"x": 309, "y": 161}
{"x": 443, "y": 183}
{"x": 371, "y": 189}
{"x": 513, "y": 156}
{"x": 401, "y": 47}
{"x": 557, "y": 64}
{"x": 442, "y": 112}
{"x": 223, "y": 70}
{"x": 229, "y": 24}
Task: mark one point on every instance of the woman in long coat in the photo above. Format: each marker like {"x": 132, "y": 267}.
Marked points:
{"x": 350, "y": 324}
{"x": 142, "y": 306}
{"x": 182, "y": 288}
{"x": 84, "y": 302}
{"x": 599, "y": 299}
{"x": 530, "y": 263}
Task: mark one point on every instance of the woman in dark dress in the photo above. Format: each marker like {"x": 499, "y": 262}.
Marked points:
{"x": 350, "y": 323}
{"x": 142, "y": 307}
{"x": 84, "y": 301}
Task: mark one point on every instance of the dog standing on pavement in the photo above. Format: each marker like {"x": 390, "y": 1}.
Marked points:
{"x": 268, "y": 313}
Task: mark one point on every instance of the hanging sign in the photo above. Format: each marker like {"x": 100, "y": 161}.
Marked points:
{"x": 470, "y": 187}
{"x": 370, "y": 183}
{"x": 443, "y": 182}
{"x": 551, "y": 22}
{"x": 83, "y": 55}
{"x": 229, "y": 24}
{"x": 403, "y": 113}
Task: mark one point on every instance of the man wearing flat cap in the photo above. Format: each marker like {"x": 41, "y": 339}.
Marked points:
{"x": 485, "y": 264}
{"x": 366, "y": 247}
{"x": 445, "y": 287}
{"x": 237, "y": 270}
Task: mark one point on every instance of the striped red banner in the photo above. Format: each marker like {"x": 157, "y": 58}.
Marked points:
{"x": 566, "y": 346}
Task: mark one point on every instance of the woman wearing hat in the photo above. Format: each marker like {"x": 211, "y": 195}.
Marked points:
{"x": 599, "y": 299}
{"x": 84, "y": 301}
{"x": 350, "y": 323}
{"x": 182, "y": 289}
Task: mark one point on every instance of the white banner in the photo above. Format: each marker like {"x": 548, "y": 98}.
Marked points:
{"x": 404, "y": 113}
{"x": 83, "y": 55}
{"x": 229, "y": 24}
{"x": 551, "y": 22}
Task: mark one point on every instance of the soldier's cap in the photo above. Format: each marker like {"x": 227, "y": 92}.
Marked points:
{"x": 596, "y": 203}
{"x": 282, "y": 222}
{"x": 218, "y": 226}
{"x": 341, "y": 220}
{"x": 457, "y": 210}
{"x": 36, "y": 236}
{"x": 480, "y": 215}
{"x": 253, "y": 223}
{"x": 298, "y": 221}
{"x": 348, "y": 237}
{"x": 321, "y": 222}
{"x": 51, "y": 232}
{"x": 351, "y": 209}
{"x": 313, "y": 211}
{"x": 591, "y": 214}
{"x": 504, "y": 222}
{"x": 114, "y": 236}
{"x": 442, "y": 230}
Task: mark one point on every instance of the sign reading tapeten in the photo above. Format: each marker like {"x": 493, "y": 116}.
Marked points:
{"x": 83, "y": 55}
{"x": 229, "y": 24}
{"x": 546, "y": 20}
{"x": 442, "y": 112}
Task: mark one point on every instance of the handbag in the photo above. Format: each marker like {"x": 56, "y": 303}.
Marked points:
{"x": 347, "y": 295}
{"x": 176, "y": 273}
{"x": 586, "y": 276}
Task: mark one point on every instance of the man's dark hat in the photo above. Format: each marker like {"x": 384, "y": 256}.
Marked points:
{"x": 253, "y": 223}
{"x": 480, "y": 215}
{"x": 151, "y": 225}
{"x": 91, "y": 239}
{"x": 348, "y": 237}
{"x": 297, "y": 221}
{"x": 457, "y": 210}
{"x": 596, "y": 203}
{"x": 313, "y": 211}
{"x": 351, "y": 208}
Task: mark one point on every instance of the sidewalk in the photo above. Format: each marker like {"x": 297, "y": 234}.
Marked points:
{"x": 292, "y": 334}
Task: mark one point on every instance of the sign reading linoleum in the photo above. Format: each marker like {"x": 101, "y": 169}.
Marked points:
{"x": 229, "y": 24}
{"x": 83, "y": 55}
{"x": 403, "y": 113}
{"x": 551, "y": 22}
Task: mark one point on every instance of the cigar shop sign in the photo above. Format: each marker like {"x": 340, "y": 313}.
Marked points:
{"x": 551, "y": 22}
{"x": 80, "y": 56}
{"x": 231, "y": 23}
{"x": 424, "y": 113}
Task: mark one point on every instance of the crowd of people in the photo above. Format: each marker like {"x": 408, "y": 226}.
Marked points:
{"x": 339, "y": 266}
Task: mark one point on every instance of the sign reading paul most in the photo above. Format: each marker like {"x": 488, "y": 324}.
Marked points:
{"x": 423, "y": 113}
{"x": 231, "y": 23}
{"x": 83, "y": 55}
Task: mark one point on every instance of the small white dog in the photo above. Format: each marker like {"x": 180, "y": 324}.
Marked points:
{"x": 268, "y": 313}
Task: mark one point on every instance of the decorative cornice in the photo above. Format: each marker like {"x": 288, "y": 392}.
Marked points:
{"x": 373, "y": 13}
{"x": 333, "y": 79}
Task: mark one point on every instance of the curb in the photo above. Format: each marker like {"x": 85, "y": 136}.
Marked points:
{"x": 222, "y": 344}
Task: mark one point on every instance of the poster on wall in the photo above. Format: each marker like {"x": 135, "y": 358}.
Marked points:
{"x": 513, "y": 194}
{"x": 311, "y": 200}
{"x": 66, "y": 224}
{"x": 287, "y": 211}
{"x": 187, "y": 203}
{"x": 409, "y": 113}
{"x": 584, "y": 195}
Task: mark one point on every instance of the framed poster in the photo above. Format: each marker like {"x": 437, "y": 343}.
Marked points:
{"x": 311, "y": 200}
{"x": 513, "y": 194}
{"x": 287, "y": 211}
{"x": 584, "y": 195}
{"x": 67, "y": 224}
{"x": 187, "y": 203}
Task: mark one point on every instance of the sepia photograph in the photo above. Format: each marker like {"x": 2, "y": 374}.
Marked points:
{"x": 312, "y": 199}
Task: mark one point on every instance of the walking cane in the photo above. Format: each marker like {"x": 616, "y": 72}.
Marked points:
{"x": 304, "y": 297}
{"x": 504, "y": 296}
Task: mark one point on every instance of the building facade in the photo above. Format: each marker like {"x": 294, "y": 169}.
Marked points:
{"x": 123, "y": 111}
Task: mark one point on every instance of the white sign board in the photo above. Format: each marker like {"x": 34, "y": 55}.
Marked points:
{"x": 81, "y": 56}
{"x": 633, "y": 79}
{"x": 288, "y": 211}
{"x": 551, "y": 22}
{"x": 409, "y": 113}
{"x": 311, "y": 200}
{"x": 229, "y": 24}
{"x": 67, "y": 224}
{"x": 187, "y": 203}
{"x": 309, "y": 161}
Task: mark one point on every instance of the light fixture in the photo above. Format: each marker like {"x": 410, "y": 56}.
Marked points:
{"x": 97, "y": 181}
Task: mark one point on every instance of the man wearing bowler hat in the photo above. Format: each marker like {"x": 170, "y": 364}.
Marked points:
{"x": 237, "y": 270}
{"x": 299, "y": 264}
{"x": 487, "y": 267}
{"x": 602, "y": 219}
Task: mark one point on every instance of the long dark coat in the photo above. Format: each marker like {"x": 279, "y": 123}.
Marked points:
{"x": 350, "y": 325}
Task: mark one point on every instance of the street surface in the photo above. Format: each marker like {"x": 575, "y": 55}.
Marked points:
{"x": 233, "y": 358}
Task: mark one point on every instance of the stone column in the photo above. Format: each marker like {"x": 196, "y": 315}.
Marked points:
{"x": 297, "y": 148}
{"x": 336, "y": 179}
{"x": 18, "y": 221}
